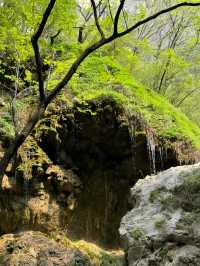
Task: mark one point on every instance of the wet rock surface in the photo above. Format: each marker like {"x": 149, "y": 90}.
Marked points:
{"x": 96, "y": 143}
{"x": 74, "y": 173}
{"x": 34, "y": 248}
{"x": 162, "y": 229}
{"x": 108, "y": 149}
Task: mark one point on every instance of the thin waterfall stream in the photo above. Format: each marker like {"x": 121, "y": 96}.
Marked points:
{"x": 151, "y": 147}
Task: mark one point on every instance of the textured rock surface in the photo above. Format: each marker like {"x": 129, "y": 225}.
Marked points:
{"x": 33, "y": 249}
{"x": 163, "y": 228}
{"x": 74, "y": 173}
{"x": 74, "y": 182}
{"x": 38, "y": 195}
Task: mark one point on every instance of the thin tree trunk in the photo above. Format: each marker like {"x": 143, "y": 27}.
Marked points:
{"x": 20, "y": 138}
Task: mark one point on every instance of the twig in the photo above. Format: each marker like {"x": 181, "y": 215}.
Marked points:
{"x": 52, "y": 38}
{"x": 96, "y": 19}
{"x": 110, "y": 11}
{"x": 154, "y": 16}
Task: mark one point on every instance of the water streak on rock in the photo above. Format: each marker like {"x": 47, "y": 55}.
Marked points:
{"x": 151, "y": 147}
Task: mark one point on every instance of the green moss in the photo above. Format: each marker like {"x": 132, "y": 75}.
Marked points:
{"x": 6, "y": 127}
{"x": 110, "y": 260}
{"x": 96, "y": 255}
{"x": 191, "y": 184}
{"x": 101, "y": 77}
{"x": 156, "y": 195}
{"x": 6, "y": 121}
{"x": 187, "y": 219}
{"x": 194, "y": 181}
{"x": 170, "y": 202}
{"x": 188, "y": 192}
{"x": 137, "y": 234}
{"x": 37, "y": 158}
{"x": 160, "y": 223}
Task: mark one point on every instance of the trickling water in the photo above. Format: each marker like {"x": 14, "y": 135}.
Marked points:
{"x": 151, "y": 147}
{"x": 161, "y": 154}
{"x": 151, "y": 144}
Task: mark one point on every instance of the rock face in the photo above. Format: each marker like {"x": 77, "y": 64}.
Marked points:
{"x": 37, "y": 195}
{"x": 74, "y": 173}
{"x": 163, "y": 228}
{"x": 33, "y": 248}
{"x": 78, "y": 179}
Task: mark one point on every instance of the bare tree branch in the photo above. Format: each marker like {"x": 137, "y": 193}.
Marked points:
{"x": 52, "y": 38}
{"x": 82, "y": 13}
{"x": 14, "y": 97}
{"x": 34, "y": 40}
{"x": 89, "y": 14}
{"x": 96, "y": 19}
{"x": 87, "y": 17}
{"x": 116, "y": 20}
{"x": 154, "y": 16}
{"x": 102, "y": 42}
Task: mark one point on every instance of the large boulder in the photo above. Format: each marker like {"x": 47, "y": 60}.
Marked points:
{"x": 163, "y": 228}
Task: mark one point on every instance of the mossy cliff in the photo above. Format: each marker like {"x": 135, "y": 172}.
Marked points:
{"x": 104, "y": 77}
{"x": 75, "y": 171}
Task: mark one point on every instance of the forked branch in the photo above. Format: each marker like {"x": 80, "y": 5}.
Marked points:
{"x": 117, "y": 16}
{"x": 105, "y": 41}
{"x": 154, "y": 16}
{"x": 35, "y": 38}
{"x": 96, "y": 19}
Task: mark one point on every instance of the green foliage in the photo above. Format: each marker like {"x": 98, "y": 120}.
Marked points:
{"x": 6, "y": 127}
{"x": 19, "y": 20}
{"x": 156, "y": 194}
{"x": 137, "y": 234}
{"x": 191, "y": 184}
{"x": 123, "y": 70}
{"x": 160, "y": 223}
{"x": 97, "y": 256}
{"x": 117, "y": 83}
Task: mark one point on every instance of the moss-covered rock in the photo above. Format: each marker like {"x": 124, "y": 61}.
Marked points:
{"x": 97, "y": 255}
{"x": 34, "y": 248}
{"x": 166, "y": 213}
{"x": 74, "y": 173}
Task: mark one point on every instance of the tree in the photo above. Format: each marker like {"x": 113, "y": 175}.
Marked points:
{"x": 46, "y": 98}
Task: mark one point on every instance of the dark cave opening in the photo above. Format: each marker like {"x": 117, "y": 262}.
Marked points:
{"x": 108, "y": 161}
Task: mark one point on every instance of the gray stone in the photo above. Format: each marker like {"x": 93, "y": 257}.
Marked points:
{"x": 163, "y": 228}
